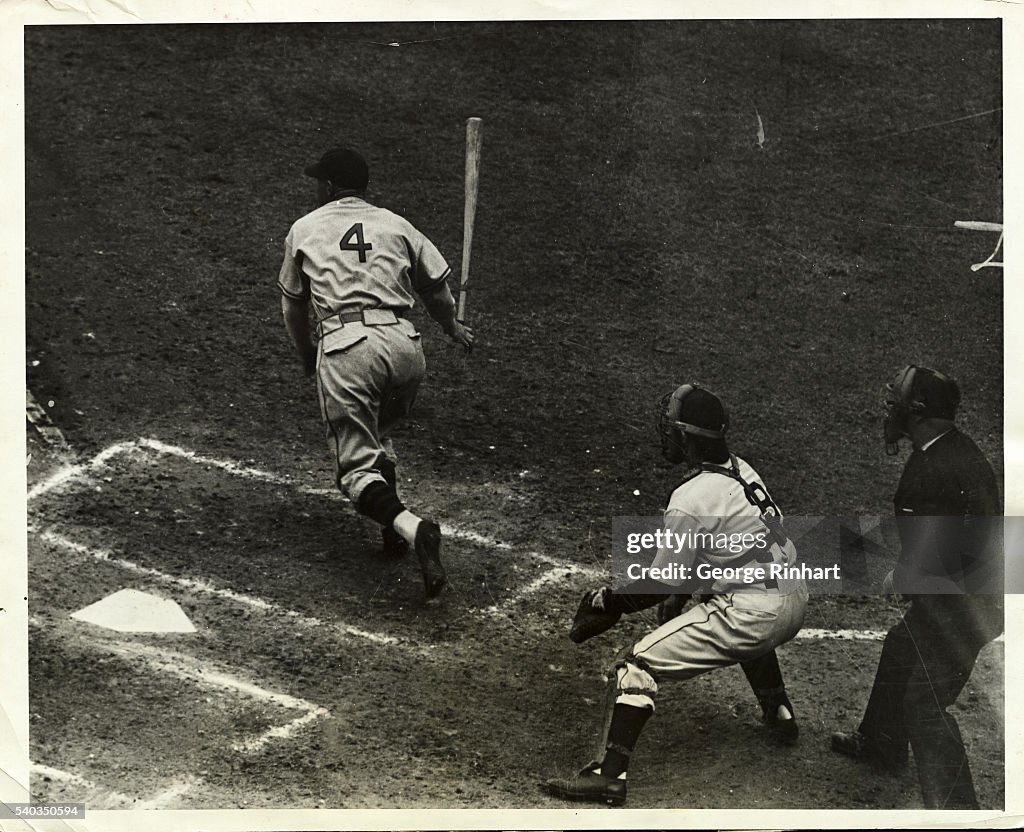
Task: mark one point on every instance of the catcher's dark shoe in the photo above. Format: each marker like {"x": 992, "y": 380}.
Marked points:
{"x": 393, "y": 546}
{"x": 588, "y": 785}
{"x": 428, "y": 550}
{"x": 783, "y": 731}
{"x": 886, "y": 755}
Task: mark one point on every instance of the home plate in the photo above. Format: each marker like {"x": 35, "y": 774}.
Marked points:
{"x": 131, "y": 611}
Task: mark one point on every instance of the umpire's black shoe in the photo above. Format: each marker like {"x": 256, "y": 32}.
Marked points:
{"x": 782, "y": 725}
{"x": 588, "y": 785}
{"x": 393, "y": 546}
{"x": 884, "y": 754}
{"x": 428, "y": 550}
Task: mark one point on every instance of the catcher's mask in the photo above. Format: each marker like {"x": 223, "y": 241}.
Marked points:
{"x": 916, "y": 391}
{"x": 693, "y": 411}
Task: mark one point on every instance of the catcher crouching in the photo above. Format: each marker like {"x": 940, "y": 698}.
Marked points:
{"x": 733, "y": 622}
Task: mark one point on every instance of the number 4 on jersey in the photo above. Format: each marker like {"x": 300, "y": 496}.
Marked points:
{"x": 360, "y": 245}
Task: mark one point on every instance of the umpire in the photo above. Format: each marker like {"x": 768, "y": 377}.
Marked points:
{"x": 359, "y": 266}
{"x": 949, "y": 576}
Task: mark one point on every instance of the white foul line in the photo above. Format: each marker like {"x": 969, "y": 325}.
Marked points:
{"x": 842, "y": 635}
{"x": 852, "y": 635}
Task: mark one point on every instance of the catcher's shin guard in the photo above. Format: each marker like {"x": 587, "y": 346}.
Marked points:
{"x": 765, "y": 678}
{"x": 611, "y": 692}
{"x": 622, "y": 723}
{"x": 627, "y": 723}
{"x": 634, "y": 683}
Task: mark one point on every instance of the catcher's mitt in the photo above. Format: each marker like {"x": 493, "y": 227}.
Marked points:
{"x": 591, "y": 619}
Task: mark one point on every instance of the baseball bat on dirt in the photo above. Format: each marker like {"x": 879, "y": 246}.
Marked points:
{"x": 473, "y": 140}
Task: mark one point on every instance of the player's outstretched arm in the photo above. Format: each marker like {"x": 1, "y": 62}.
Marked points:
{"x": 600, "y": 609}
{"x": 296, "y": 321}
{"x": 637, "y": 596}
{"x": 441, "y": 307}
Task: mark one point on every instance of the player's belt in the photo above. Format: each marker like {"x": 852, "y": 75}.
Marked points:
{"x": 369, "y": 317}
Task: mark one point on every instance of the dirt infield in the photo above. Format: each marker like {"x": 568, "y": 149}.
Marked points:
{"x": 634, "y": 231}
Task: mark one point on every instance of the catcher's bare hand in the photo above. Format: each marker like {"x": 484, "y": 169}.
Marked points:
{"x": 671, "y": 607}
{"x": 461, "y": 334}
{"x": 591, "y": 617}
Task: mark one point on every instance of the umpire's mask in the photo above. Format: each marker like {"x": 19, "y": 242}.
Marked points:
{"x": 916, "y": 391}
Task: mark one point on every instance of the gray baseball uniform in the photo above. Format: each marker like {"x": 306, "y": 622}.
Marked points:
{"x": 359, "y": 266}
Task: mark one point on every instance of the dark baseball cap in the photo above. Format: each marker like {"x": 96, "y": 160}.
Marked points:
{"x": 344, "y": 167}
{"x": 703, "y": 409}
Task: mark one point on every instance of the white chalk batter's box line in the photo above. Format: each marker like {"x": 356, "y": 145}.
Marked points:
{"x": 347, "y": 631}
{"x": 559, "y": 568}
{"x": 72, "y": 474}
{"x": 191, "y": 669}
{"x": 202, "y": 675}
{"x": 69, "y": 474}
{"x": 206, "y": 675}
{"x": 97, "y": 797}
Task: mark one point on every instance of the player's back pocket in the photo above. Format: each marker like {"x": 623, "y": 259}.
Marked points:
{"x": 343, "y": 339}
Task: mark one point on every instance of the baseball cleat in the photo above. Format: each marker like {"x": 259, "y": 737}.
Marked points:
{"x": 782, "y": 725}
{"x": 428, "y": 550}
{"x": 884, "y": 754}
{"x": 393, "y": 544}
{"x": 588, "y": 785}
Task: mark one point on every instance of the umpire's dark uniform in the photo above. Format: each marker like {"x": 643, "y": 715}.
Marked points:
{"x": 946, "y": 507}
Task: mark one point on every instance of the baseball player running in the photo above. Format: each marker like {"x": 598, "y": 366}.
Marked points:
{"x": 359, "y": 266}
{"x": 734, "y": 622}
